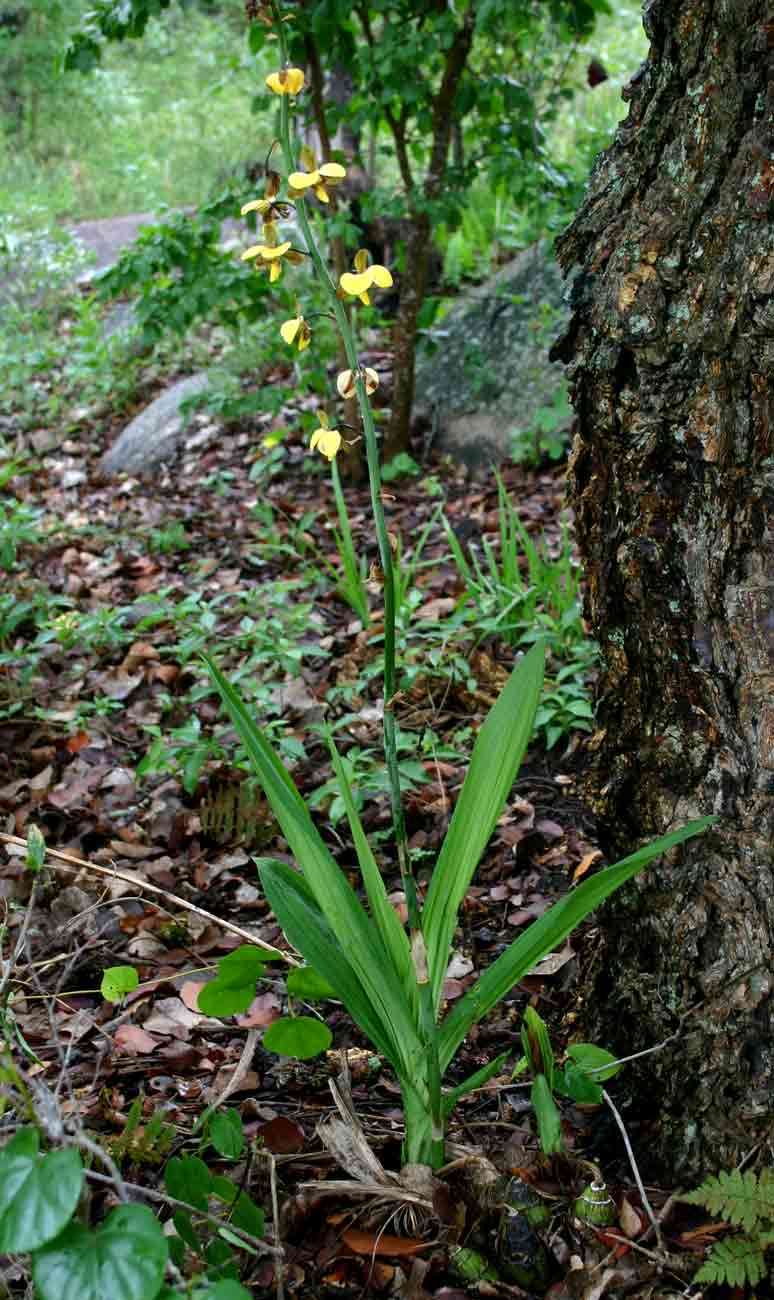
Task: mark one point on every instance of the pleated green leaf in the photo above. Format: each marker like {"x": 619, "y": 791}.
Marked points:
{"x": 547, "y": 933}
{"x": 495, "y": 761}
{"x": 295, "y": 908}
{"x": 354, "y": 934}
{"x": 392, "y": 933}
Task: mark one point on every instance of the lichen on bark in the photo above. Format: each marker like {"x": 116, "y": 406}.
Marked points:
{"x": 670, "y": 354}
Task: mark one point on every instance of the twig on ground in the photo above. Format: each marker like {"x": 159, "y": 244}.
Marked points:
{"x": 262, "y": 1247}
{"x": 640, "y": 1186}
{"x": 63, "y": 861}
{"x": 238, "y": 1074}
{"x": 279, "y": 1270}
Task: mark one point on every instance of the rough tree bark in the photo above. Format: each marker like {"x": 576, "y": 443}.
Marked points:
{"x": 671, "y": 362}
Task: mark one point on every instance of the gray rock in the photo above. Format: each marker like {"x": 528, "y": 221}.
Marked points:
{"x": 489, "y": 373}
{"x": 155, "y": 434}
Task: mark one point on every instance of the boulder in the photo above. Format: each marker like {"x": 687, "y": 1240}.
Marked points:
{"x": 484, "y": 373}
{"x": 154, "y": 435}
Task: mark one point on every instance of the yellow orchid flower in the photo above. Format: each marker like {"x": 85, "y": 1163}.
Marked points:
{"x": 346, "y": 382}
{"x": 363, "y": 278}
{"x": 271, "y": 256}
{"x": 325, "y": 439}
{"x": 296, "y": 331}
{"x": 256, "y": 205}
{"x": 299, "y": 182}
{"x": 288, "y": 81}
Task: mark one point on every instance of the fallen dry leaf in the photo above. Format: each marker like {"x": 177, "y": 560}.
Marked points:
{"x": 281, "y": 1136}
{"x": 375, "y": 1243}
{"x": 134, "y": 1041}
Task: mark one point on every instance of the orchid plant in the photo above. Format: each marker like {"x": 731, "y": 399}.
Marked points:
{"x": 389, "y": 978}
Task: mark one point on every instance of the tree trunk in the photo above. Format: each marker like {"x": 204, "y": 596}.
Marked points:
{"x": 404, "y": 334}
{"x": 671, "y": 352}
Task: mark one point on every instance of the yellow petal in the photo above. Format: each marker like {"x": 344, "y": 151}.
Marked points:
{"x": 253, "y": 251}
{"x": 381, "y": 276}
{"x": 365, "y": 299}
{"x": 287, "y": 82}
{"x": 303, "y": 180}
{"x": 322, "y": 193}
{"x": 355, "y": 284}
{"x": 345, "y": 385}
{"x": 362, "y": 258}
{"x": 290, "y": 328}
{"x": 270, "y": 254}
{"x": 256, "y": 205}
{"x": 333, "y": 171}
{"x": 305, "y": 337}
{"x": 275, "y": 271}
{"x": 326, "y": 441}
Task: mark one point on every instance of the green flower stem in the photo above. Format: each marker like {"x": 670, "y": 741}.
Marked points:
{"x": 429, "y": 1028}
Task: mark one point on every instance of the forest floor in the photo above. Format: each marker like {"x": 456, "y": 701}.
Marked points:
{"x": 112, "y": 744}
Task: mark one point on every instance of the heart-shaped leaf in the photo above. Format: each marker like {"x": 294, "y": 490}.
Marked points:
{"x": 38, "y": 1194}
{"x": 298, "y": 1036}
{"x": 117, "y": 981}
{"x": 124, "y": 1260}
{"x": 226, "y": 1134}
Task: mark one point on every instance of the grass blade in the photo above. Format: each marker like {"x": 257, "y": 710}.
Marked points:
{"x": 495, "y": 761}
{"x": 548, "y": 933}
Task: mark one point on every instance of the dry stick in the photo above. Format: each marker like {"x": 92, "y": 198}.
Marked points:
{"x": 640, "y": 1186}
{"x": 262, "y": 1247}
{"x": 145, "y": 886}
{"x": 240, "y": 1070}
{"x": 279, "y": 1276}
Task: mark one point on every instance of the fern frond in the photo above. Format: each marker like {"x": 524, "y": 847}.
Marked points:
{"x": 741, "y": 1198}
{"x": 734, "y": 1262}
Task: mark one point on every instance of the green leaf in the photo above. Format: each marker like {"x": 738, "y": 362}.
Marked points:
{"x": 548, "y": 1118}
{"x": 227, "y": 1289}
{"x": 241, "y": 967}
{"x": 248, "y": 1216}
{"x": 188, "y": 1179}
{"x": 391, "y": 932}
{"x": 537, "y": 1045}
{"x": 226, "y": 1134}
{"x": 185, "y": 1230}
{"x": 736, "y": 1262}
{"x": 595, "y": 1061}
{"x": 36, "y": 849}
{"x": 117, "y": 981}
{"x": 298, "y": 1036}
{"x": 355, "y": 936}
{"x": 124, "y": 1260}
{"x": 547, "y": 933}
{"x": 495, "y": 761}
{"x": 233, "y": 988}
{"x": 307, "y": 985}
{"x": 579, "y": 1086}
{"x": 742, "y": 1197}
{"x": 294, "y": 906}
{"x": 38, "y": 1194}
{"x": 473, "y": 1081}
